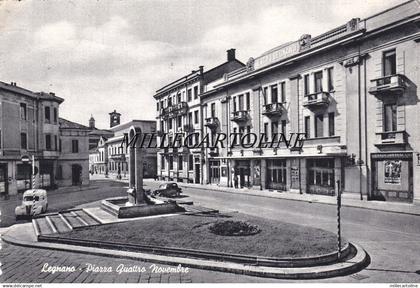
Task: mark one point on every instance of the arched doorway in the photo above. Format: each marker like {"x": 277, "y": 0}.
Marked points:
{"x": 76, "y": 174}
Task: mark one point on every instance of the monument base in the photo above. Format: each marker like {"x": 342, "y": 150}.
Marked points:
{"x": 117, "y": 206}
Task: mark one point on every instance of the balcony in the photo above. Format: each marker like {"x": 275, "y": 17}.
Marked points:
{"x": 317, "y": 100}
{"x": 239, "y": 116}
{"x": 389, "y": 85}
{"x": 391, "y": 138}
{"x": 180, "y": 108}
{"x": 273, "y": 109}
{"x": 212, "y": 123}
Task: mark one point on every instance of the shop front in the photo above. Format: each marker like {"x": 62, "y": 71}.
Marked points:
{"x": 321, "y": 176}
{"x": 243, "y": 172}
{"x": 276, "y": 174}
{"x": 214, "y": 171}
{"x": 392, "y": 177}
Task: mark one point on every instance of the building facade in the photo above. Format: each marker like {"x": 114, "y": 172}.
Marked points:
{"x": 111, "y": 159}
{"x": 30, "y": 130}
{"x": 351, "y": 91}
{"x": 179, "y": 110}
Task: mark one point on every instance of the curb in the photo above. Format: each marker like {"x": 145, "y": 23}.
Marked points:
{"x": 353, "y": 265}
{"x": 299, "y": 200}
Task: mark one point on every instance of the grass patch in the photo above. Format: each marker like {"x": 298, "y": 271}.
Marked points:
{"x": 276, "y": 239}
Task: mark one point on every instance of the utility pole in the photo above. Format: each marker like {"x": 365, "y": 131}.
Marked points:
{"x": 338, "y": 219}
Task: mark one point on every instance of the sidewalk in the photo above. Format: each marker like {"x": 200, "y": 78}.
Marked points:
{"x": 348, "y": 200}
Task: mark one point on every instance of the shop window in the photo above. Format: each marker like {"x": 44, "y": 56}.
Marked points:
{"x": 389, "y": 63}
{"x": 319, "y": 125}
{"x": 23, "y": 171}
{"x": 390, "y": 117}
{"x": 331, "y": 124}
{"x": 276, "y": 174}
{"x": 321, "y": 172}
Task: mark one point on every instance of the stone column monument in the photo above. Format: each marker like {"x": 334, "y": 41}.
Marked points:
{"x": 135, "y": 191}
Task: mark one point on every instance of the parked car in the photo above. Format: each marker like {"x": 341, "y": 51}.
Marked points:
{"x": 168, "y": 190}
{"x": 34, "y": 202}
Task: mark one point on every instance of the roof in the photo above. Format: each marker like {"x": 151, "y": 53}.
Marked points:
{"x": 25, "y": 92}
{"x": 66, "y": 124}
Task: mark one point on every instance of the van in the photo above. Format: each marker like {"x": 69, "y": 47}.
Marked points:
{"x": 34, "y": 202}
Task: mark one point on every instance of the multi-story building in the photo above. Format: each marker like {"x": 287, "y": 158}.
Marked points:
{"x": 179, "y": 111}
{"x": 352, "y": 91}
{"x": 30, "y": 128}
{"x": 110, "y": 158}
{"x": 73, "y": 162}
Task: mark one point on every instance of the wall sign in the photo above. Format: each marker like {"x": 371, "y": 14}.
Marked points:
{"x": 392, "y": 170}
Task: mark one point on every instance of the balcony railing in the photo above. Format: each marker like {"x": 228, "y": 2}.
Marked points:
{"x": 273, "y": 109}
{"x": 317, "y": 100}
{"x": 175, "y": 110}
{"x": 212, "y": 123}
{"x": 240, "y": 116}
{"x": 392, "y": 84}
{"x": 391, "y": 138}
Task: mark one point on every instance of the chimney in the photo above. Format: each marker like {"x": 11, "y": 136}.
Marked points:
{"x": 231, "y": 54}
{"x": 201, "y": 68}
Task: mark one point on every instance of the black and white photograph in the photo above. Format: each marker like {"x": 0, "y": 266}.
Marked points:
{"x": 197, "y": 142}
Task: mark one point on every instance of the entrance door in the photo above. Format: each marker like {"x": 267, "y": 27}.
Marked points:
{"x": 76, "y": 174}
{"x": 3, "y": 180}
{"x": 197, "y": 173}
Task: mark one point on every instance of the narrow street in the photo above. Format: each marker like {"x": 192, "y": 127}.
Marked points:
{"x": 391, "y": 239}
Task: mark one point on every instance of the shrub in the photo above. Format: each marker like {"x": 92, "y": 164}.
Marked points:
{"x": 234, "y": 228}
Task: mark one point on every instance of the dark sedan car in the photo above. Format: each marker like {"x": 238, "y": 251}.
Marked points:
{"x": 168, "y": 190}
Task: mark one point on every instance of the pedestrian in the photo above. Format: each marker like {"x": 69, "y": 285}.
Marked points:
{"x": 235, "y": 180}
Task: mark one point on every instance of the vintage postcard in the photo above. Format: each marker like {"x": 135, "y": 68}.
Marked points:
{"x": 243, "y": 141}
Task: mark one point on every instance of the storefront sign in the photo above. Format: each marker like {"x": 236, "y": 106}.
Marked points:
{"x": 392, "y": 170}
{"x": 276, "y": 55}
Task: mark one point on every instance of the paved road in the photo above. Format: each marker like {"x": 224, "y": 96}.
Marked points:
{"x": 64, "y": 198}
{"x": 26, "y": 264}
{"x": 391, "y": 239}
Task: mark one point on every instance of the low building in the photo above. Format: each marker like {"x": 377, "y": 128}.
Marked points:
{"x": 30, "y": 132}
{"x": 110, "y": 158}
{"x": 73, "y": 162}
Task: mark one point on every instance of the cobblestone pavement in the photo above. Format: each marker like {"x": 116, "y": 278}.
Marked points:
{"x": 20, "y": 264}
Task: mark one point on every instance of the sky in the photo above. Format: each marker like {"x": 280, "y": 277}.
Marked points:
{"x": 105, "y": 55}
